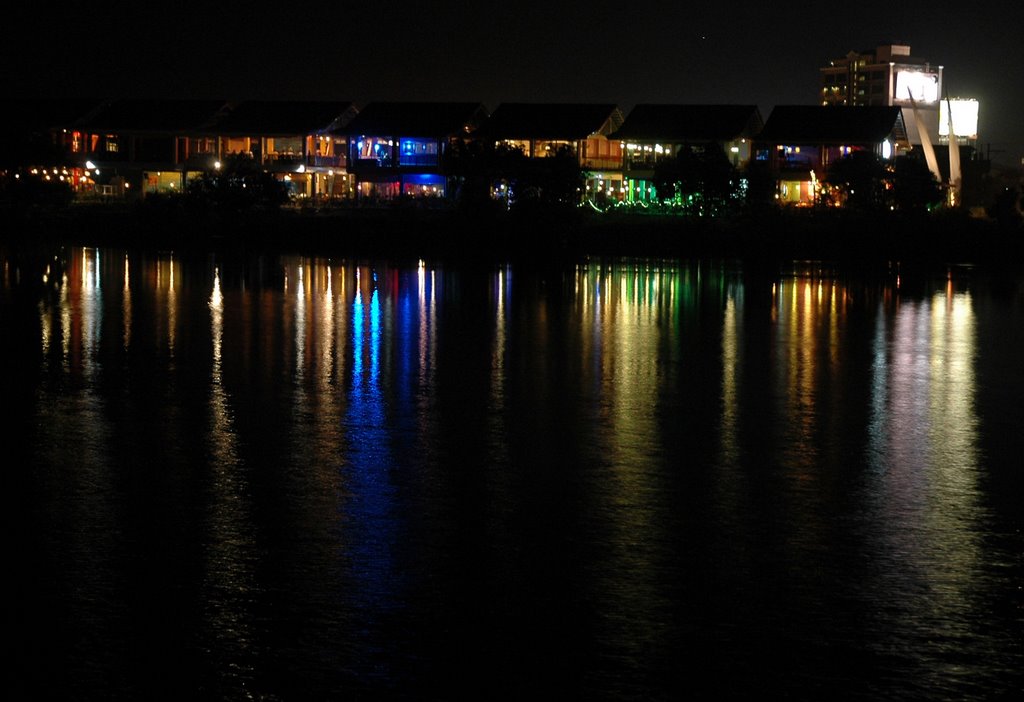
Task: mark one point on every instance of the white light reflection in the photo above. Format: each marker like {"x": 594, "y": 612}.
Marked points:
{"x": 924, "y": 455}
{"x": 427, "y": 313}
{"x": 90, "y": 310}
{"x": 300, "y": 325}
{"x": 498, "y": 347}
{"x": 228, "y": 582}
{"x": 216, "y": 305}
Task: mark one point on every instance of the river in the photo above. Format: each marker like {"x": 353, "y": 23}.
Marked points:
{"x": 285, "y": 478}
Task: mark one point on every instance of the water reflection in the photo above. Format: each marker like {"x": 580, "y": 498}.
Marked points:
{"x": 622, "y": 313}
{"x": 167, "y": 302}
{"x": 374, "y": 471}
{"x": 72, "y": 463}
{"x": 228, "y": 581}
{"x": 126, "y": 306}
{"x": 925, "y": 463}
{"x": 809, "y": 314}
{"x": 370, "y": 510}
{"x": 732, "y": 360}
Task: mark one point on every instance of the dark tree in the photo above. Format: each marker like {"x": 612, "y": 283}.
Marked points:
{"x": 30, "y": 192}
{"x": 914, "y": 187}
{"x": 1007, "y": 208}
{"x": 554, "y": 181}
{"x": 717, "y": 177}
{"x": 239, "y": 185}
{"x": 666, "y": 178}
{"x": 473, "y": 166}
{"x": 557, "y": 180}
{"x": 761, "y": 186}
{"x": 700, "y": 178}
{"x": 861, "y": 178}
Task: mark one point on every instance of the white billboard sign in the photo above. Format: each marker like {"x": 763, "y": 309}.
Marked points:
{"x": 965, "y": 118}
{"x": 921, "y": 85}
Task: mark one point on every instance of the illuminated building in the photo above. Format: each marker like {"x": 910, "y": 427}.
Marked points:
{"x": 399, "y": 148}
{"x": 543, "y": 130}
{"x": 652, "y": 133}
{"x": 887, "y": 75}
{"x": 144, "y": 143}
{"x": 37, "y": 137}
{"x": 800, "y": 142}
{"x": 293, "y": 140}
{"x": 157, "y": 145}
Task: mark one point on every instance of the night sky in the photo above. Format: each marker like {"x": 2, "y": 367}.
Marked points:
{"x": 571, "y": 51}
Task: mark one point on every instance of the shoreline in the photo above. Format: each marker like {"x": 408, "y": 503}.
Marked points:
{"x": 770, "y": 236}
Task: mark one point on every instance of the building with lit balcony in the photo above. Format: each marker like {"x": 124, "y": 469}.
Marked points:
{"x": 293, "y": 140}
{"x": 801, "y": 142}
{"x": 401, "y": 148}
{"x": 543, "y": 130}
{"x": 652, "y": 133}
{"x": 152, "y": 146}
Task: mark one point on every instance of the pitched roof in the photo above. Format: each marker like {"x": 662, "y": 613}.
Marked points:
{"x": 415, "y": 119}
{"x": 269, "y": 117}
{"x": 163, "y": 116}
{"x": 690, "y": 122}
{"x": 829, "y": 124}
{"x": 519, "y": 120}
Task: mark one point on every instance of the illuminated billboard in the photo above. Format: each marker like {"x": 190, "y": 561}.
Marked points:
{"x": 921, "y": 85}
{"x": 965, "y": 118}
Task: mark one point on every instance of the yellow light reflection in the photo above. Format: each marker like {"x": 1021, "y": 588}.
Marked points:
{"x": 808, "y": 344}
{"x": 626, "y": 331}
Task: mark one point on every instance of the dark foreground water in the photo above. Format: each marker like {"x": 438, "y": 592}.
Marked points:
{"x": 317, "y": 479}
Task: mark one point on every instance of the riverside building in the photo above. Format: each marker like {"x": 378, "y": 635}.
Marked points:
{"x": 888, "y": 75}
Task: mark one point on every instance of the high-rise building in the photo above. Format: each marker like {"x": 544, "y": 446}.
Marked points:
{"x": 887, "y": 75}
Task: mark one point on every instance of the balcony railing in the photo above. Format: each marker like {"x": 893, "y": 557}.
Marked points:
{"x": 417, "y": 160}
{"x": 326, "y": 161}
{"x": 283, "y": 159}
{"x": 602, "y": 163}
{"x": 798, "y": 163}
{"x": 641, "y": 161}
{"x": 199, "y": 161}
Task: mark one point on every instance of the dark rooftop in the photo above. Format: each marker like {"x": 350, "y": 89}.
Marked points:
{"x": 690, "y": 122}
{"x": 832, "y": 124}
{"x": 519, "y": 120}
{"x": 268, "y": 118}
{"x": 415, "y": 119}
{"x": 154, "y": 116}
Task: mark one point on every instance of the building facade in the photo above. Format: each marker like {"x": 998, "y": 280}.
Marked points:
{"x": 654, "y": 133}
{"x": 800, "y": 143}
{"x": 888, "y": 75}
{"x": 544, "y": 130}
{"x": 402, "y": 149}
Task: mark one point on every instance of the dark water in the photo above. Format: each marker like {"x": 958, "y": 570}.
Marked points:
{"x": 309, "y": 479}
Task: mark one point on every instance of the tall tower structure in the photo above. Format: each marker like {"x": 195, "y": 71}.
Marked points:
{"x": 886, "y": 75}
